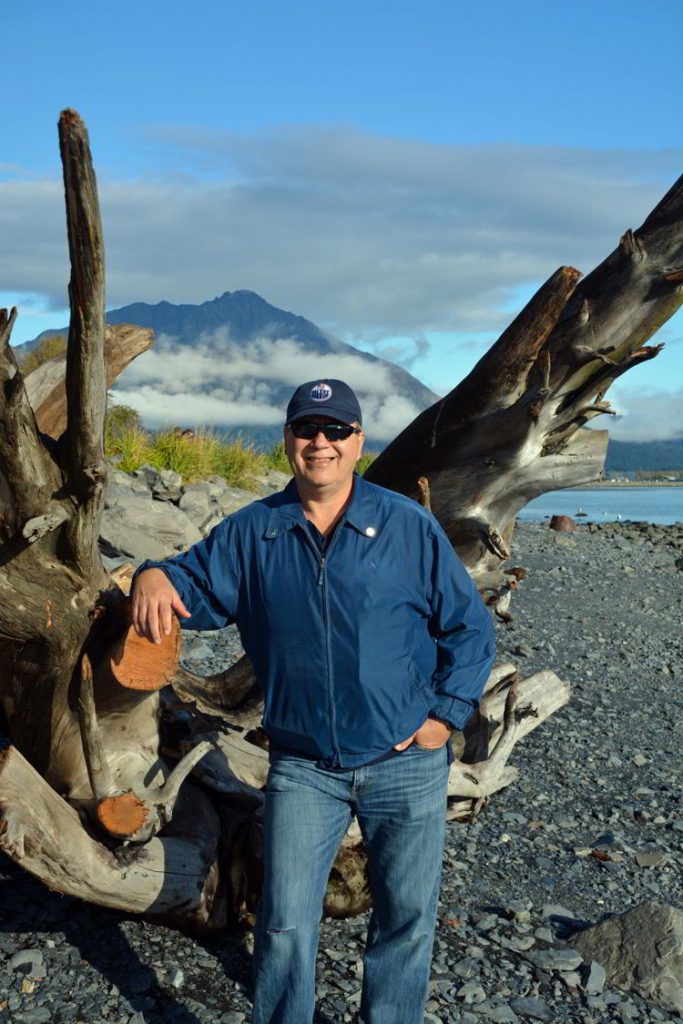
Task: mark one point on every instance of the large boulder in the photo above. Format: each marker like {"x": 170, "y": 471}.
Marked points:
{"x": 641, "y": 951}
{"x": 120, "y": 483}
{"x": 139, "y": 527}
{"x": 272, "y": 480}
{"x": 195, "y": 502}
{"x": 232, "y": 499}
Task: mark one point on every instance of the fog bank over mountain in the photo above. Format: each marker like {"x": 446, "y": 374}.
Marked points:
{"x": 232, "y": 364}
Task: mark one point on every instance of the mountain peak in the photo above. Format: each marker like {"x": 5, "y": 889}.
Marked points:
{"x": 249, "y": 355}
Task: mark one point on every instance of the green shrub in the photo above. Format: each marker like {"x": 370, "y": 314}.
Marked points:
{"x": 117, "y": 420}
{"x": 131, "y": 446}
{"x": 239, "y": 462}
{"x": 366, "y": 459}
{"x": 276, "y": 458}
{"x": 47, "y": 349}
{"x": 195, "y": 456}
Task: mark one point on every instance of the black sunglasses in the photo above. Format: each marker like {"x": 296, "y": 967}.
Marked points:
{"x": 308, "y": 429}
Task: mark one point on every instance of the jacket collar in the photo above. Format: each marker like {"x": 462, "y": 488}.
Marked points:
{"x": 286, "y": 511}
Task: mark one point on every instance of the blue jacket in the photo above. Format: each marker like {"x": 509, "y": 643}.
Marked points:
{"x": 354, "y": 649}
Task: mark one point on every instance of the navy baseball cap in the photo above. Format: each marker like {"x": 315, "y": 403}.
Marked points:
{"x": 330, "y": 397}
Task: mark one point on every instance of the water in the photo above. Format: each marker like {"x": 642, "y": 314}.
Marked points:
{"x": 603, "y": 505}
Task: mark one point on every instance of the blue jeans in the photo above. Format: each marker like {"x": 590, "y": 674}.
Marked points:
{"x": 400, "y": 805}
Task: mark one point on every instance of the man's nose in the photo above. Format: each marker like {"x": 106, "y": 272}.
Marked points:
{"x": 320, "y": 441}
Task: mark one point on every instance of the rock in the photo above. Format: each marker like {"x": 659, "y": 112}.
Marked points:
{"x": 593, "y": 978}
{"x": 522, "y": 650}
{"x": 148, "y": 474}
{"x": 498, "y": 1013}
{"x": 232, "y": 499}
{"x": 119, "y": 483}
{"x": 178, "y": 979}
{"x": 557, "y": 910}
{"x": 466, "y": 968}
{"x": 563, "y": 524}
{"x": 27, "y": 961}
{"x": 272, "y": 480}
{"x": 471, "y": 992}
{"x": 561, "y": 959}
{"x": 641, "y": 951}
{"x": 519, "y": 910}
{"x": 195, "y": 649}
{"x": 36, "y": 1015}
{"x": 528, "y": 1006}
{"x": 168, "y": 487}
{"x": 650, "y": 859}
{"x": 141, "y": 528}
{"x": 196, "y": 504}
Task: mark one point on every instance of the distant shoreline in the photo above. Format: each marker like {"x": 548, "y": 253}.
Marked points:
{"x": 604, "y": 485}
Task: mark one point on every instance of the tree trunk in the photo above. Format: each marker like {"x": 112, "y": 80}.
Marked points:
{"x": 80, "y": 707}
{"x": 94, "y": 796}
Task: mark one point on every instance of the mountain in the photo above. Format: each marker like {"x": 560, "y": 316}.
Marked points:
{"x": 626, "y": 456}
{"x": 233, "y": 362}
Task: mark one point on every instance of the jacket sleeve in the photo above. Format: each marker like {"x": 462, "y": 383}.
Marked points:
{"x": 464, "y": 633}
{"x": 205, "y": 576}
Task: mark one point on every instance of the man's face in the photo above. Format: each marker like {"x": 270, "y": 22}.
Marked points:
{"x": 323, "y": 467}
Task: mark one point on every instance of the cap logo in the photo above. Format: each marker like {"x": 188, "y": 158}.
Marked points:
{"x": 321, "y": 392}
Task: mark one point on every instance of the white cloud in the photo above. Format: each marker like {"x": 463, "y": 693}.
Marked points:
{"x": 646, "y": 414}
{"x": 194, "y": 408}
{"x": 369, "y": 236}
{"x": 223, "y": 384}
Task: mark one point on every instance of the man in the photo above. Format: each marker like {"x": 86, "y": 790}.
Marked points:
{"x": 372, "y": 644}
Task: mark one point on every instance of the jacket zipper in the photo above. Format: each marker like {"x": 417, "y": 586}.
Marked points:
{"x": 322, "y": 583}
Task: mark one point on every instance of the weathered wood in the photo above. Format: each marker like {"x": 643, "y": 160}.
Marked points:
{"x": 233, "y": 695}
{"x": 29, "y": 477}
{"x": 512, "y": 429}
{"x": 174, "y": 879}
{"x": 46, "y": 385}
{"x": 140, "y": 665}
{"x": 83, "y": 697}
{"x": 86, "y": 390}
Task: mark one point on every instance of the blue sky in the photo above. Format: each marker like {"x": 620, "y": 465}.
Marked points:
{"x": 403, "y": 174}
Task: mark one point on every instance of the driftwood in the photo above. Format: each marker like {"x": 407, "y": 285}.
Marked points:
{"x": 46, "y": 388}
{"x": 514, "y": 427}
{"x": 127, "y": 791}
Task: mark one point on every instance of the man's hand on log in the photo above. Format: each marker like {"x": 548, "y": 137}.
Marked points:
{"x": 154, "y": 603}
{"x": 431, "y": 735}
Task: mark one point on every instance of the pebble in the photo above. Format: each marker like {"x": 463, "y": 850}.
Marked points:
{"x": 556, "y": 959}
{"x": 594, "y": 977}
{"x": 527, "y": 1006}
{"x": 471, "y": 992}
{"x": 26, "y": 961}
{"x": 650, "y": 859}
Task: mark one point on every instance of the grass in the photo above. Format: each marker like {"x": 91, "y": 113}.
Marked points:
{"x": 196, "y": 455}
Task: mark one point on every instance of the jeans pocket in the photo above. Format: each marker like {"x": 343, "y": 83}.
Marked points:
{"x": 426, "y": 750}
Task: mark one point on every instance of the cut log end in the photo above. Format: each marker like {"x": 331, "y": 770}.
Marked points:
{"x": 123, "y": 815}
{"x": 139, "y": 664}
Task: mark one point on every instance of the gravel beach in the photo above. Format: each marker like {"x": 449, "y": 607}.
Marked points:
{"x": 593, "y": 826}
